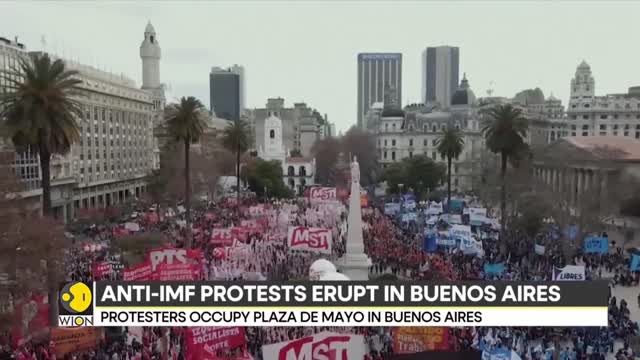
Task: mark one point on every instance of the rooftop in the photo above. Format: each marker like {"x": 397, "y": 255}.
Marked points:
{"x": 612, "y": 147}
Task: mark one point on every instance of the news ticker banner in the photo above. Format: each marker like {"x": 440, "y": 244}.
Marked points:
{"x": 352, "y": 303}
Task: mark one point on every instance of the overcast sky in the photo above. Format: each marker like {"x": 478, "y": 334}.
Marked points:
{"x": 306, "y": 51}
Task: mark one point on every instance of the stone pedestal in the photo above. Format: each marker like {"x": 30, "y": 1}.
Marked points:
{"x": 355, "y": 263}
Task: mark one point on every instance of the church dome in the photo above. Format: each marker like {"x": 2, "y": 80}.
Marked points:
{"x": 390, "y": 112}
{"x": 584, "y": 66}
{"x": 463, "y": 95}
{"x": 149, "y": 28}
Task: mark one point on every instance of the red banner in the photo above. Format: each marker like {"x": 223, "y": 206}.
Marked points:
{"x": 417, "y": 339}
{"x": 321, "y": 194}
{"x": 222, "y": 237}
{"x": 309, "y": 239}
{"x": 325, "y": 345}
{"x": 140, "y": 272}
{"x": 202, "y": 343}
{"x": 175, "y": 264}
{"x": 101, "y": 269}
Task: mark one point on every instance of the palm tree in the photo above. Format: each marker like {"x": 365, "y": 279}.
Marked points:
{"x": 236, "y": 138}
{"x": 41, "y": 112}
{"x": 450, "y": 145}
{"x": 186, "y": 124}
{"x": 505, "y": 129}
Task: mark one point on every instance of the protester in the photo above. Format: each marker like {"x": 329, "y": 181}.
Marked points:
{"x": 258, "y": 250}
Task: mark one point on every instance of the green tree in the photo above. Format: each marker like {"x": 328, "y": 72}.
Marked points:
{"x": 394, "y": 174}
{"x": 505, "y": 129}
{"x": 450, "y": 145}
{"x": 41, "y": 113}
{"x": 262, "y": 175}
{"x": 359, "y": 143}
{"x": 186, "y": 124}
{"x": 418, "y": 173}
{"x": 326, "y": 152}
{"x": 236, "y": 139}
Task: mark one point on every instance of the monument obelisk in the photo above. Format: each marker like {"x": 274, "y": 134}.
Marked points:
{"x": 355, "y": 263}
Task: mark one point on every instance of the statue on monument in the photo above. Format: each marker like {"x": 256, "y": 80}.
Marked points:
{"x": 355, "y": 171}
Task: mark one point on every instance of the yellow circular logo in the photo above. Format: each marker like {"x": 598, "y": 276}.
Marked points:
{"x": 76, "y": 297}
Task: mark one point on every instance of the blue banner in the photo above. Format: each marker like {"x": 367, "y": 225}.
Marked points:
{"x": 571, "y": 232}
{"x": 430, "y": 244}
{"x": 494, "y": 269}
{"x": 596, "y": 245}
{"x": 635, "y": 262}
{"x": 497, "y": 354}
{"x": 456, "y": 206}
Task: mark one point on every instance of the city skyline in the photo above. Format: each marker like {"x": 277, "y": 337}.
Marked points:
{"x": 499, "y": 45}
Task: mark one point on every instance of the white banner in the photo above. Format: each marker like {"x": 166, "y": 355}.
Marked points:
{"x": 325, "y": 345}
{"x": 309, "y": 239}
{"x": 435, "y": 208}
{"x": 471, "y": 247}
{"x": 322, "y": 194}
{"x": 131, "y": 226}
{"x": 460, "y": 231}
{"x": 568, "y": 273}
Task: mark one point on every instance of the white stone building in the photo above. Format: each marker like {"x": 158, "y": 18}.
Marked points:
{"x": 609, "y": 115}
{"x": 117, "y": 149}
{"x": 297, "y": 172}
{"x": 402, "y": 134}
{"x": 302, "y": 125}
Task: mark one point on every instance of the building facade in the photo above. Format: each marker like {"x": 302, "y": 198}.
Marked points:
{"x": 375, "y": 72}
{"x": 440, "y": 74}
{"x": 301, "y": 124}
{"x": 589, "y": 168}
{"x": 609, "y": 115}
{"x": 298, "y": 171}
{"x": 414, "y": 131}
{"x": 116, "y": 151}
{"x": 225, "y": 92}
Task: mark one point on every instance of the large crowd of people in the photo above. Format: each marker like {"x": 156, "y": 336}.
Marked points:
{"x": 394, "y": 245}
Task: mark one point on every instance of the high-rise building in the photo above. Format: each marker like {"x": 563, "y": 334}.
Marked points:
{"x": 226, "y": 92}
{"x": 377, "y": 72}
{"x": 440, "y": 74}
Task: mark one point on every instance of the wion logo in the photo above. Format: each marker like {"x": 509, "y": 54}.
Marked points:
{"x": 75, "y": 305}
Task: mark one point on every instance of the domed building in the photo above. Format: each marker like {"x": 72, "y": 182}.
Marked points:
{"x": 463, "y": 96}
{"x": 413, "y": 131}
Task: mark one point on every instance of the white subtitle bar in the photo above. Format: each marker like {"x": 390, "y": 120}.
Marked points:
{"x": 517, "y": 316}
